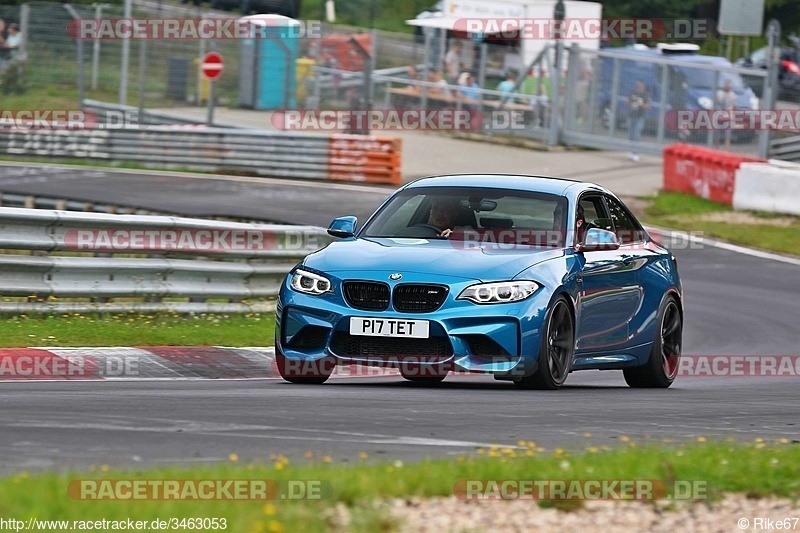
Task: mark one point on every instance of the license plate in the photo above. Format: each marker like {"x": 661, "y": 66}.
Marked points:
{"x": 389, "y": 327}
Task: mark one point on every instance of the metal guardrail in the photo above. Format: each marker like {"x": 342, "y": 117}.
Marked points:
{"x": 173, "y": 258}
{"x": 366, "y": 158}
{"x": 787, "y": 148}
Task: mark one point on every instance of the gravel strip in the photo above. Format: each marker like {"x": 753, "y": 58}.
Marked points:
{"x": 451, "y": 514}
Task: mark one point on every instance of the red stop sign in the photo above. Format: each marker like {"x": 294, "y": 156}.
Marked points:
{"x": 212, "y": 66}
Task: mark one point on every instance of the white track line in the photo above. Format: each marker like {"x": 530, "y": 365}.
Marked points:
{"x": 761, "y": 254}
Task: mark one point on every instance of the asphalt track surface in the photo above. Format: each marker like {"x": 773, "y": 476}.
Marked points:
{"x": 736, "y": 304}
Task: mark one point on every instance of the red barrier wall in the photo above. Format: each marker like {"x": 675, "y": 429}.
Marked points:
{"x": 699, "y": 171}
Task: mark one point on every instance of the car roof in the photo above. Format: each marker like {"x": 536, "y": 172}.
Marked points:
{"x": 543, "y": 184}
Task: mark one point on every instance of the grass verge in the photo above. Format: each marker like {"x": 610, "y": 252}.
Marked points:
{"x": 137, "y": 329}
{"x": 758, "y": 469}
{"x": 759, "y": 230}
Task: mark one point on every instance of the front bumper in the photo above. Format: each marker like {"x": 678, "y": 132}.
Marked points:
{"x": 495, "y": 339}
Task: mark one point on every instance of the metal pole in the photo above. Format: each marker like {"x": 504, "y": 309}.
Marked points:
{"x": 711, "y": 132}
{"x": 771, "y": 85}
{"x": 81, "y": 81}
{"x": 210, "y": 116}
{"x": 426, "y": 68}
{"x": 98, "y": 13}
{"x": 555, "y": 89}
{"x": 24, "y": 24}
{"x": 202, "y": 53}
{"x": 126, "y": 52}
{"x": 662, "y": 104}
{"x": 142, "y": 75}
{"x": 81, "y": 78}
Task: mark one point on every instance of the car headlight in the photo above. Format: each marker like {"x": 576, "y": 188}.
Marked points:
{"x": 310, "y": 283}
{"x": 705, "y": 102}
{"x": 754, "y": 102}
{"x": 498, "y": 293}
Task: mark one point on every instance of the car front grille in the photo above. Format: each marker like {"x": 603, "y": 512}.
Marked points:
{"x": 430, "y": 350}
{"x": 367, "y": 295}
{"x": 418, "y": 298}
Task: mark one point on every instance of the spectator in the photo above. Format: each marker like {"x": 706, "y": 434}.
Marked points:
{"x": 470, "y": 87}
{"x": 726, "y": 99}
{"x": 3, "y": 49}
{"x": 413, "y": 78}
{"x": 13, "y": 41}
{"x": 507, "y": 85}
{"x": 434, "y": 76}
{"x": 452, "y": 62}
{"x": 638, "y": 104}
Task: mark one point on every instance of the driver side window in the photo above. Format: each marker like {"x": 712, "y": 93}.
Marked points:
{"x": 594, "y": 212}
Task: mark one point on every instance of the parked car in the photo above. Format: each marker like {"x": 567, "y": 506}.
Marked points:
{"x": 788, "y": 72}
{"x": 533, "y": 278}
{"x": 689, "y": 87}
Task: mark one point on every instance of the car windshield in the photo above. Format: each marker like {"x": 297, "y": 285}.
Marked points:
{"x": 703, "y": 78}
{"x": 483, "y": 214}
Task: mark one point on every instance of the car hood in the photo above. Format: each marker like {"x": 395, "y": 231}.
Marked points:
{"x": 457, "y": 259}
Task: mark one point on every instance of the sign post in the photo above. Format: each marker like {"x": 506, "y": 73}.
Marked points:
{"x": 211, "y": 67}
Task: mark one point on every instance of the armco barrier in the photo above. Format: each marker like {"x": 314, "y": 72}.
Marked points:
{"x": 772, "y": 187}
{"x": 276, "y": 154}
{"x": 173, "y": 257}
{"x": 709, "y": 174}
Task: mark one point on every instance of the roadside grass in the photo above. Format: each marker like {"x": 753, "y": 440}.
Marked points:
{"x": 361, "y": 488}
{"x": 767, "y": 231}
{"x": 137, "y": 329}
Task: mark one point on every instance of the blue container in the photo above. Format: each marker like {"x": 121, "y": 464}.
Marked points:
{"x": 267, "y": 66}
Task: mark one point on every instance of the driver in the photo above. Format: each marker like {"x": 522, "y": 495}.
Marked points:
{"x": 580, "y": 224}
{"x": 443, "y": 216}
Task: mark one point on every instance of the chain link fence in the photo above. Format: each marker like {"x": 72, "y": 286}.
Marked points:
{"x": 598, "y": 105}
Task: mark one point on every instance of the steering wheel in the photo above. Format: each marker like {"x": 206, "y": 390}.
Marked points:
{"x": 428, "y": 230}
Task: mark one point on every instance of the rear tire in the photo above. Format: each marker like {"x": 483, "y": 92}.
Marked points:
{"x": 662, "y": 367}
{"x": 556, "y": 350}
{"x": 305, "y": 374}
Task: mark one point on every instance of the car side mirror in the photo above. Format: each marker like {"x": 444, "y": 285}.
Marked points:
{"x": 343, "y": 227}
{"x": 597, "y": 240}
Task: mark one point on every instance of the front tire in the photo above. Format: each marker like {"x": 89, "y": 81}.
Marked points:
{"x": 556, "y": 351}
{"x": 662, "y": 367}
{"x": 305, "y": 373}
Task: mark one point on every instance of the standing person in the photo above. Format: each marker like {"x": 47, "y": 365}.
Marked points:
{"x": 726, "y": 99}
{"x": 3, "y": 49}
{"x": 638, "y": 104}
{"x": 452, "y": 62}
{"x": 13, "y": 41}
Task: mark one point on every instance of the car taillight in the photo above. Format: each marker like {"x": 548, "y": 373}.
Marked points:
{"x": 791, "y": 66}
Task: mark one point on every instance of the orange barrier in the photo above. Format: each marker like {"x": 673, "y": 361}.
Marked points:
{"x": 699, "y": 171}
{"x": 366, "y": 158}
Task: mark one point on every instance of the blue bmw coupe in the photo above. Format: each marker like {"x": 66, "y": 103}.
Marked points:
{"x": 525, "y": 278}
